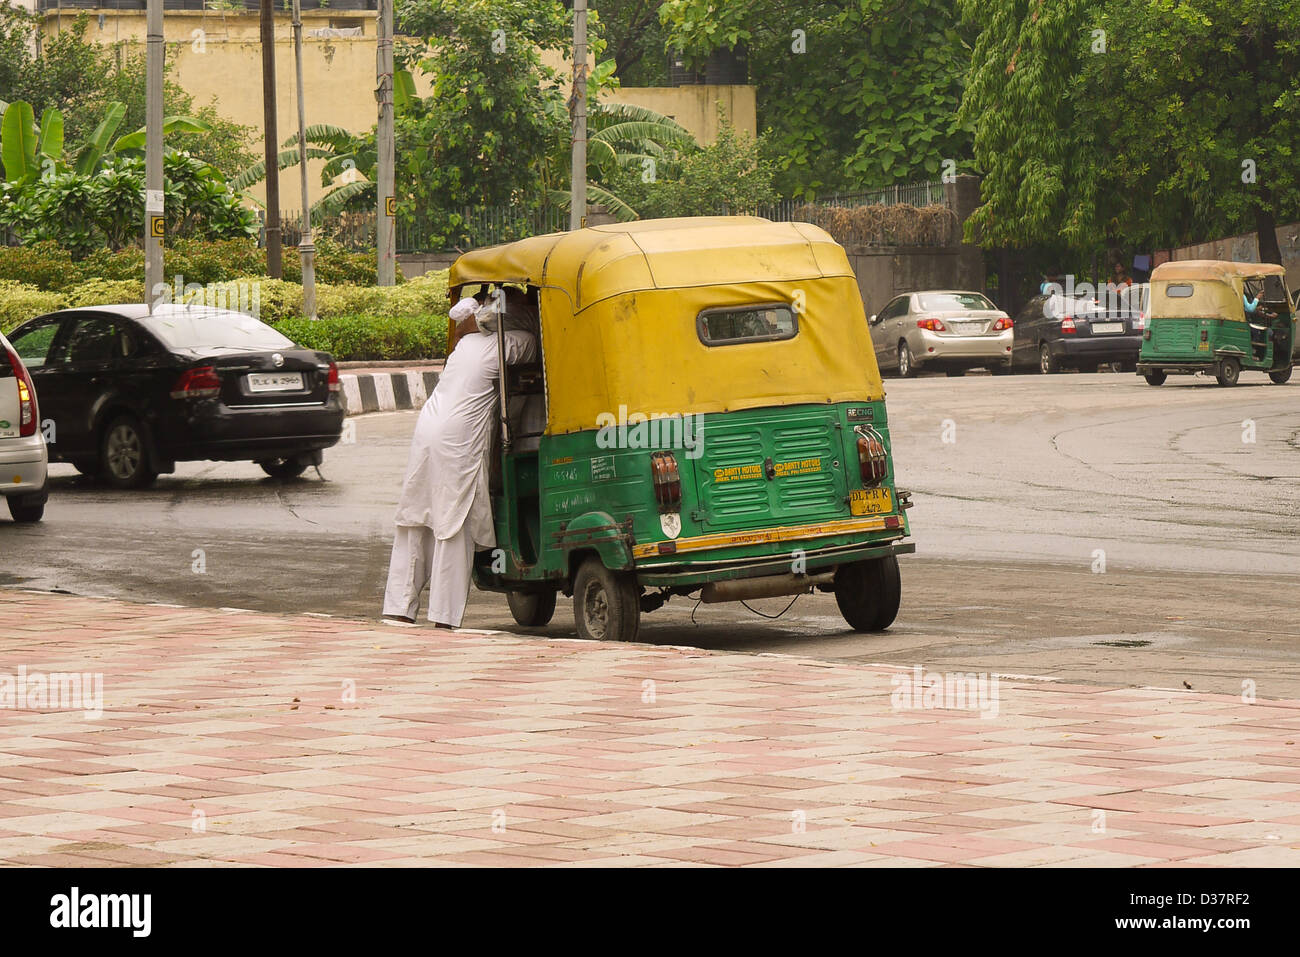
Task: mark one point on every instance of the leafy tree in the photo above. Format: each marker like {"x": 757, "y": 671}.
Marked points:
{"x": 855, "y": 95}
{"x": 636, "y": 40}
{"x": 1098, "y": 121}
{"x": 729, "y": 176}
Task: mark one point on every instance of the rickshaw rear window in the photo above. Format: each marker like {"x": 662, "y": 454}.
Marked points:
{"x": 720, "y": 327}
{"x": 1179, "y": 290}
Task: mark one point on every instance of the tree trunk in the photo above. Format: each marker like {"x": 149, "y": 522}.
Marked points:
{"x": 1266, "y": 236}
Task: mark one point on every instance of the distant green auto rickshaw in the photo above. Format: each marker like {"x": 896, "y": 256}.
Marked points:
{"x": 1201, "y": 320}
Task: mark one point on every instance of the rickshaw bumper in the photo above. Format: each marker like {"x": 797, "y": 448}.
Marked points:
{"x": 813, "y": 562}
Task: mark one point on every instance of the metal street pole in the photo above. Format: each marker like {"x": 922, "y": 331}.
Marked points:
{"x": 385, "y": 207}
{"x": 153, "y": 153}
{"x": 578, "y": 175}
{"x": 305, "y": 248}
{"x": 271, "y": 142}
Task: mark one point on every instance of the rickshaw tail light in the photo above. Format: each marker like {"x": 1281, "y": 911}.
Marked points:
{"x": 1067, "y": 326}
{"x": 873, "y": 461}
{"x": 1205, "y": 335}
{"x": 667, "y": 481}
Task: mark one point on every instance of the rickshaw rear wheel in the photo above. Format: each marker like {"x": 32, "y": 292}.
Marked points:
{"x": 532, "y": 609}
{"x": 1280, "y": 375}
{"x": 1229, "y": 371}
{"x": 1155, "y": 377}
{"x": 869, "y": 593}
{"x": 606, "y": 604}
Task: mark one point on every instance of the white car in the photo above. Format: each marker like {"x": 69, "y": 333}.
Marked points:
{"x": 23, "y": 457}
{"x": 943, "y": 329}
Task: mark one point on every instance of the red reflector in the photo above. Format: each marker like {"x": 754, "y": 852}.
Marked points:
{"x": 667, "y": 548}
{"x": 198, "y": 383}
{"x": 667, "y": 481}
{"x": 873, "y": 460}
{"x": 892, "y": 521}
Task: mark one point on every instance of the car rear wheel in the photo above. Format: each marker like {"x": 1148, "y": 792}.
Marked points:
{"x": 532, "y": 609}
{"x": 25, "y": 514}
{"x": 284, "y": 468}
{"x": 906, "y": 367}
{"x": 1047, "y": 363}
{"x": 606, "y": 604}
{"x": 869, "y": 593}
{"x": 1280, "y": 375}
{"x": 124, "y": 454}
{"x": 1229, "y": 371}
{"x": 1155, "y": 377}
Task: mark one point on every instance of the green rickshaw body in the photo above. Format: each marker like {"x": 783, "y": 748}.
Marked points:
{"x": 715, "y": 421}
{"x": 1198, "y": 321}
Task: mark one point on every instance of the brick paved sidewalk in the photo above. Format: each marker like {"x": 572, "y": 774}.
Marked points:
{"x": 235, "y": 738}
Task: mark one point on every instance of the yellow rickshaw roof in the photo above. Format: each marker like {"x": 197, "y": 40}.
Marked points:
{"x": 1214, "y": 270}
{"x": 596, "y": 263}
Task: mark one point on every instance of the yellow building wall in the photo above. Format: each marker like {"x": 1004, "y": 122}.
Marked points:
{"x": 217, "y": 59}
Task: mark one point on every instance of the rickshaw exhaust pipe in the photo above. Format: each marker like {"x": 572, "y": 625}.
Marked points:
{"x": 768, "y": 586}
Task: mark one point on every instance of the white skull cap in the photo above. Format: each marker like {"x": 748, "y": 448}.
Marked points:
{"x": 463, "y": 309}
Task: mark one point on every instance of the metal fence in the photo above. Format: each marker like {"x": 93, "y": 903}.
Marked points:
{"x": 474, "y": 227}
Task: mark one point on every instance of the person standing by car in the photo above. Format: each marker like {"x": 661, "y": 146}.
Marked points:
{"x": 444, "y": 511}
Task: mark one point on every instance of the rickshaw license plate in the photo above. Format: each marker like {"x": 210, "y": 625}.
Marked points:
{"x": 870, "y": 501}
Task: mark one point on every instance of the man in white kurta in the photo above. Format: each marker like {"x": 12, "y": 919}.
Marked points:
{"x": 445, "y": 512}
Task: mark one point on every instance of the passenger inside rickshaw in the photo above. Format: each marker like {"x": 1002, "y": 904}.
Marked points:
{"x": 1266, "y": 305}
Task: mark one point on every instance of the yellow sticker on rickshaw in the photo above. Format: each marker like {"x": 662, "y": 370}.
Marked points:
{"x": 870, "y": 501}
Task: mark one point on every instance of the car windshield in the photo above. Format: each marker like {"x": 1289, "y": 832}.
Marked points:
{"x": 953, "y": 301}
{"x": 214, "y": 330}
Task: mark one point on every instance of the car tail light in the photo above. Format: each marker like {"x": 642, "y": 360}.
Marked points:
{"x": 28, "y": 414}
{"x": 667, "y": 481}
{"x": 873, "y": 461}
{"x": 1067, "y": 326}
{"x": 198, "y": 383}
{"x": 934, "y": 325}
{"x": 333, "y": 380}
{"x": 1002, "y": 323}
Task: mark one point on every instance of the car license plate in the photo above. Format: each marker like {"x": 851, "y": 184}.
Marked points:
{"x": 870, "y": 501}
{"x": 1104, "y": 327}
{"x": 274, "y": 381}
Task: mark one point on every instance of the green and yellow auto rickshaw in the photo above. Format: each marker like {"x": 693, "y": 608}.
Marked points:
{"x": 707, "y": 418}
{"x": 1219, "y": 318}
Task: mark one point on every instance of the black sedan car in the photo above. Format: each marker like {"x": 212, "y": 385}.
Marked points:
{"x": 1053, "y": 333}
{"x": 131, "y": 393}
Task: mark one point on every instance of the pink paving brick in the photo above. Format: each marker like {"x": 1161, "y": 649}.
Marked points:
{"x": 744, "y": 761}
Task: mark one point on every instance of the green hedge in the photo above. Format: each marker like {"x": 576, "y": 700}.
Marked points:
{"x": 407, "y": 321}
{"x": 51, "y": 268}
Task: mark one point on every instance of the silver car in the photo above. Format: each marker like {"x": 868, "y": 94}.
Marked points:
{"x": 23, "y": 457}
{"x": 943, "y": 329}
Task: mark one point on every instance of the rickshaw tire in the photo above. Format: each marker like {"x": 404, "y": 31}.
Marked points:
{"x": 868, "y": 593}
{"x": 1155, "y": 377}
{"x": 1281, "y": 376}
{"x": 619, "y": 595}
{"x": 1229, "y": 372}
{"x": 532, "y": 609}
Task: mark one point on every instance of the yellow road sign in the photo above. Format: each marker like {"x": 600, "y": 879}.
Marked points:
{"x": 156, "y": 227}
{"x": 390, "y": 205}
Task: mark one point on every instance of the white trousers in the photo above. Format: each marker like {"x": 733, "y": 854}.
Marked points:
{"x": 419, "y": 559}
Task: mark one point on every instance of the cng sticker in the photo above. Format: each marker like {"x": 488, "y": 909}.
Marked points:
{"x": 156, "y": 227}
{"x": 671, "y": 523}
